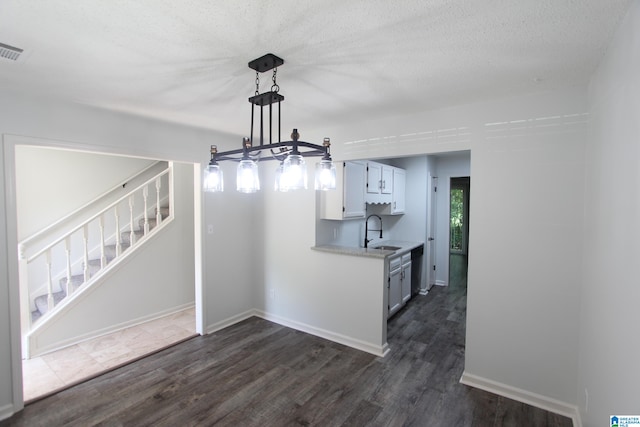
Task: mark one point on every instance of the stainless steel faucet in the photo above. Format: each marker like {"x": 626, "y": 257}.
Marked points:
{"x": 366, "y": 229}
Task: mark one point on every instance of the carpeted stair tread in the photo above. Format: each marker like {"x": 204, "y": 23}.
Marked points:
{"x": 41, "y": 301}
{"x": 110, "y": 250}
{"x": 125, "y": 236}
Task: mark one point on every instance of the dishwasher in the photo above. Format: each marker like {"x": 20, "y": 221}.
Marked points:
{"x": 416, "y": 269}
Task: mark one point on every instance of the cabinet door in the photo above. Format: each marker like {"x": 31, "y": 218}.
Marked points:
{"x": 395, "y": 290}
{"x": 373, "y": 177}
{"x": 406, "y": 282}
{"x": 354, "y": 176}
{"x": 347, "y": 200}
{"x": 386, "y": 180}
{"x": 399, "y": 189}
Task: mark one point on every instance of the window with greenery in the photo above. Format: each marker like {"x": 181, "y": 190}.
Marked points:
{"x": 457, "y": 219}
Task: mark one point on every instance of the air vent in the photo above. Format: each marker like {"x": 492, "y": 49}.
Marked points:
{"x": 10, "y": 52}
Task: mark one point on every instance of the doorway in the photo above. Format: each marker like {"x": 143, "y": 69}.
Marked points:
{"x": 189, "y": 318}
{"x": 459, "y": 230}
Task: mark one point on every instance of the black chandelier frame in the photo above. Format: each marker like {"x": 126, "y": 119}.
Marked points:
{"x": 278, "y": 150}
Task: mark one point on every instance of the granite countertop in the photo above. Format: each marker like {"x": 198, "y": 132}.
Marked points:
{"x": 371, "y": 252}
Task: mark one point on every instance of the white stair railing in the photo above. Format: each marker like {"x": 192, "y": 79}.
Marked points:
{"x": 68, "y": 256}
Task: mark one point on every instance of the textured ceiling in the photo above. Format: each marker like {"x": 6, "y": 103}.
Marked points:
{"x": 186, "y": 61}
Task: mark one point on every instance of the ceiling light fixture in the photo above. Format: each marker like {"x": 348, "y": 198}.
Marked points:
{"x": 291, "y": 173}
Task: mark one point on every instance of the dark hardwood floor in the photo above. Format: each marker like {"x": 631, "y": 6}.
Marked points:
{"x": 258, "y": 373}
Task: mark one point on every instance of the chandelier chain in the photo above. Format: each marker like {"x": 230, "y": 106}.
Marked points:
{"x": 257, "y": 83}
{"x": 274, "y": 87}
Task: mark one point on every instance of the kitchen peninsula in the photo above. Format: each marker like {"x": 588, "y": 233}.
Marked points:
{"x": 402, "y": 262}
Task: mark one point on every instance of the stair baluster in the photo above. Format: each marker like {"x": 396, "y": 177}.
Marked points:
{"x": 103, "y": 256}
{"x": 61, "y": 249}
{"x": 145, "y": 196}
{"x": 85, "y": 243}
{"x": 158, "y": 214}
{"x": 67, "y": 250}
{"x": 132, "y": 234}
{"x": 49, "y": 281}
{"x": 118, "y": 237}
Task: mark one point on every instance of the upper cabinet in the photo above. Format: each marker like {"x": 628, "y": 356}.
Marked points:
{"x": 398, "y": 194}
{"x": 361, "y": 182}
{"x": 386, "y": 187}
{"x": 347, "y": 200}
{"x": 379, "y": 183}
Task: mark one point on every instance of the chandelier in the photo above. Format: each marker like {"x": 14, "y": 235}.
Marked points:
{"x": 291, "y": 173}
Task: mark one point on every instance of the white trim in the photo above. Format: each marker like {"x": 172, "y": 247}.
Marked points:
{"x": 89, "y": 287}
{"x": 6, "y": 411}
{"x": 86, "y": 205}
{"x": 380, "y": 351}
{"x": 13, "y": 276}
{"x": 424, "y": 292}
{"x": 441, "y": 283}
{"x": 113, "y": 328}
{"x": 230, "y": 321}
{"x": 198, "y": 248}
{"x": 524, "y": 396}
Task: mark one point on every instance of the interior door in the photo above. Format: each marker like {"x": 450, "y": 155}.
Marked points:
{"x": 430, "y": 246}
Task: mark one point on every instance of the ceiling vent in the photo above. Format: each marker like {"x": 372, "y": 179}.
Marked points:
{"x": 10, "y": 52}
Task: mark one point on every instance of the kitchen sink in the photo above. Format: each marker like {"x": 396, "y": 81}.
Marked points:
{"x": 387, "y": 248}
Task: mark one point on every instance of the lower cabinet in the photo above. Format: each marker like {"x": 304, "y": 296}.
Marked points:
{"x": 406, "y": 278}
{"x": 395, "y": 285}
{"x": 399, "y": 282}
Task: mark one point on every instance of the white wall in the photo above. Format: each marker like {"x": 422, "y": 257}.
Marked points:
{"x": 526, "y": 228}
{"x": 94, "y": 130}
{"x": 233, "y": 252}
{"x": 52, "y": 183}
{"x": 609, "y": 321}
{"x": 336, "y": 296}
{"x": 447, "y": 166}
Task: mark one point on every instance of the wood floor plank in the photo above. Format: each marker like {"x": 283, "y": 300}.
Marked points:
{"x": 257, "y": 373}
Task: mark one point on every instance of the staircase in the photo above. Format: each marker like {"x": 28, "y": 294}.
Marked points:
{"x": 95, "y": 264}
{"x": 69, "y": 257}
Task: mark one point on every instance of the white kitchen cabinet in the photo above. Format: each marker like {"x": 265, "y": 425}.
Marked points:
{"x": 386, "y": 179}
{"x": 397, "y": 204}
{"x": 399, "y": 191}
{"x": 399, "y": 282}
{"x": 379, "y": 184}
{"x": 347, "y": 200}
{"x": 395, "y": 285}
{"x": 374, "y": 174}
{"x": 405, "y": 278}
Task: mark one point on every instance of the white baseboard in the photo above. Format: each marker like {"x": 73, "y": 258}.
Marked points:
{"x": 441, "y": 283}
{"x": 40, "y": 350}
{"x": 376, "y": 350}
{"x": 6, "y": 411}
{"x": 229, "y": 321}
{"x": 533, "y": 399}
{"x": 424, "y": 292}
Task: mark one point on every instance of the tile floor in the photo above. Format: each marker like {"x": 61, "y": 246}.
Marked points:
{"x": 60, "y": 369}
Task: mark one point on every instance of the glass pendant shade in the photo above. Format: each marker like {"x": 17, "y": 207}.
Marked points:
{"x": 325, "y": 175}
{"x": 213, "y": 179}
{"x": 294, "y": 173}
{"x": 247, "y": 179}
{"x": 278, "y": 184}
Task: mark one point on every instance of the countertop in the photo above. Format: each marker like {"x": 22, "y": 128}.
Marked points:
{"x": 370, "y": 252}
